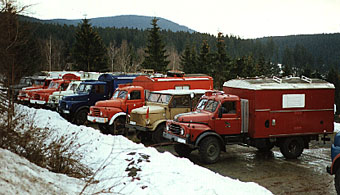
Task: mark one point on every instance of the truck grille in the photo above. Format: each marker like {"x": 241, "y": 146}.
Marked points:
{"x": 96, "y": 112}
{"x": 138, "y": 118}
{"x": 175, "y": 129}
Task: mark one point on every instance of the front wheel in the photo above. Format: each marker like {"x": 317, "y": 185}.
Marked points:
{"x": 292, "y": 147}
{"x": 209, "y": 150}
{"x": 118, "y": 127}
{"x": 337, "y": 181}
{"x": 103, "y": 128}
{"x": 157, "y": 135}
{"x": 81, "y": 117}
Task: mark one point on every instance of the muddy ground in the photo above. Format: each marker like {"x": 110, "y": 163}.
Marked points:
{"x": 306, "y": 175}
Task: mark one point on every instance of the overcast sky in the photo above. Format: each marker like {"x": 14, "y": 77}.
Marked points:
{"x": 244, "y": 18}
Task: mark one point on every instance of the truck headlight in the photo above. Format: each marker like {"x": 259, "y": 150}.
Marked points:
{"x": 66, "y": 106}
{"x": 167, "y": 127}
{"x": 101, "y": 113}
{"x": 182, "y": 131}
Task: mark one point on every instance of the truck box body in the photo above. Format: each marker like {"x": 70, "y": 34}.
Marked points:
{"x": 292, "y": 106}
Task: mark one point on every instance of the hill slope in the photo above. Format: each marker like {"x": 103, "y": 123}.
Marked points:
{"x": 129, "y": 21}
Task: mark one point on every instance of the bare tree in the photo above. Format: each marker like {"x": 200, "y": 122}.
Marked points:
{"x": 52, "y": 49}
{"x": 112, "y": 52}
{"x": 123, "y": 57}
{"x": 174, "y": 58}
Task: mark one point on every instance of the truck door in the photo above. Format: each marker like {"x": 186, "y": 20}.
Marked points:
{"x": 134, "y": 100}
{"x": 228, "y": 120}
{"x": 98, "y": 93}
{"x": 179, "y": 104}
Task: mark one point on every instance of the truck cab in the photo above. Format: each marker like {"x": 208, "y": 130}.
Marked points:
{"x": 149, "y": 121}
{"x": 76, "y": 107}
{"x": 40, "y": 82}
{"x": 111, "y": 114}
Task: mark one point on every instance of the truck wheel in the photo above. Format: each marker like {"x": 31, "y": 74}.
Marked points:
{"x": 103, "y": 128}
{"x": 209, "y": 150}
{"x": 182, "y": 150}
{"x": 118, "y": 127}
{"x": 81, "y": 117}
{"x": 267, "y": 147}
{"x": 292, "y": 147}
{"x": 157, "y": 135}
{"x": 337, "y": 181}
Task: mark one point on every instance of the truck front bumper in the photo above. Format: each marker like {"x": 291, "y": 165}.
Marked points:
{"x": 40, "y": 102}
{"x": 174, "y": 138}
{"x": 136, "y": 127}
{"x": 96, "y": 119}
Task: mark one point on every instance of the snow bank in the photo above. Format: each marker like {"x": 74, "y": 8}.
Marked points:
{"x": 336, "y": 127}
{"x": 125, "y": 167}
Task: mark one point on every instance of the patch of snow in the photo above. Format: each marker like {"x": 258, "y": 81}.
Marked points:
{"x": 336, "y": 127}
{"x": 121, "y": 166}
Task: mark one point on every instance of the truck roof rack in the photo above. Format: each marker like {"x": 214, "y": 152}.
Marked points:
{"x": 306, "y": 79}
{"x": 277, "y": 79}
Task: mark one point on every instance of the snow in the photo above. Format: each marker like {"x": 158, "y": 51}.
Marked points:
{"x": 336, "y": 127}
{"x": 121, "y": 166}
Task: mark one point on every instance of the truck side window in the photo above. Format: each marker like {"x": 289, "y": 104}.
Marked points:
{"x": 99, "y": 89}
{"x": 135, "y": 95}
{"x": 63, "y": 86}
{"x": 180, "y": 101}
{"x": 228, "y": 108}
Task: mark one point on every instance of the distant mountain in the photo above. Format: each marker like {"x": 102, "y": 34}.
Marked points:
{"x": 128, "y": 21}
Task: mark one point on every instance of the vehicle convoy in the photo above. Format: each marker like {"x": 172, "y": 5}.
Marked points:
{"x": 24, "y": 82}
{"x": 39, "y": 83}
{"x": 54, "y": 98}
{"x": 262, "y": 113}
{"x": 149, "y": 121}
{"x": 334, "y": 169}
{"x": 40, "y": 97}
{"x": 111, "y": 114}
{"x": 76, "y": 107}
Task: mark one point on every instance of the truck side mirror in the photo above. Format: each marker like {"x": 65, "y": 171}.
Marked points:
{"x": 220, "y": 112}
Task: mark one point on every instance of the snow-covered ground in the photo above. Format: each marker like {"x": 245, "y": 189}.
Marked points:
{"x": 121, "y": 166}
{"x": 336, "y": 127}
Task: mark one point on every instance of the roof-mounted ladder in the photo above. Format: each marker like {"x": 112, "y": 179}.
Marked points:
{"x": 277, "y": 79}
{"x": 306, "y": 79}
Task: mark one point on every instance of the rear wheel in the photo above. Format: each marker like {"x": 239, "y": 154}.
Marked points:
{"x": 118, "y": 127}
{"x": 157, "y": 135}
{"x": 182, "y": 150}
{"x": 292, "y": 147}
{"x": 209, "y": 150}
{"x": 266, "y": 147}
{"x": 81, "y": 117}
{"x": 337, "y": 181}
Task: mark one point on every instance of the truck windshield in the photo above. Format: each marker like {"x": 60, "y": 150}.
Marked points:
{"x": 159, "y": 98}
{"x": 83, "y": 88}
{"x": 53, "y": 85}
{"x": 201, "y": 104}
{"x": 39, "y": 82}
{"x": 211, "y": 106}
{"x": 119, "y": 94}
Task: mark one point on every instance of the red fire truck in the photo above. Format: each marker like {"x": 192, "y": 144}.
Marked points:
{"x": 42, "y": 83}
{"x": 262, "y": 113}
{"x": 40, "y": 97}
{"x": 111, "y": 114}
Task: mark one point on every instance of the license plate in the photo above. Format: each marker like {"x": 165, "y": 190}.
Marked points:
{"x": 132, "y": 122}
{"x": 180, "y": 140}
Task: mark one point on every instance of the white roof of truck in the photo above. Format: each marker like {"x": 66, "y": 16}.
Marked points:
{"x": 278, "y": 83}
{"x": 181, "y": 91}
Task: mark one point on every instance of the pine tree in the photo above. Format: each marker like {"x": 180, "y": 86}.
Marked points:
{"x": 186, "y": 60}
{"x": 155, "y": 51}
{"x": 222, "y": 64}
{"x": 204, "y": 58}
{"x": 89, "y": 51}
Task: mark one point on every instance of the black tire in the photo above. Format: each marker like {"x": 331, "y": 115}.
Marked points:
{"x": 292, "y": 147}
{"x": 157, "y": 135}
{"x": 337, "y": 181}
{"x": 118, "y": 127}
{"x": 183, "y": 150}
{"x": 104, "y": 129}
{"x": 209, "y": 150}
{"x": 81, "y": 117}
{"x": 268, "y": 146}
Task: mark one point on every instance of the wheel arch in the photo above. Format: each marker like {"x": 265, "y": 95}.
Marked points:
{"x": 156, "y": 124}
{"x": 335, "y": 164}
{"x": 210, "y": 133}
{"x": 119, "y": 114}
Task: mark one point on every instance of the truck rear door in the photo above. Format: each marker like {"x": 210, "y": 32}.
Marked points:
{"x": 229, "y": 120}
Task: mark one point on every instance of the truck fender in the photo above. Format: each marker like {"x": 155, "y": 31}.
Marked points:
{"x": 113, "y": 118}
{"x": 335, "y": 164}
{"x": 157, "y": 123}
{"x": 82, "y": 107}
{"x": 210, "y": 133}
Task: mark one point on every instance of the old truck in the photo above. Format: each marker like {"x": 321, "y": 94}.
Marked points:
{"x": 149, "y": 121}
{"x": 262, "y": 113}
{"x": 40, "y": 97}
{"x": 76, "y": 107}
{"x": 56, "y": 96}
{"x": 111, "y": 114}
{"x": 40, "y": 83}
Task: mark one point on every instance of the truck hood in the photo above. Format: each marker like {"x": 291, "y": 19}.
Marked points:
{"x": 62, "y": 93}
{"x": 152, "y": 110}
{"x": 197, "y": 116}
{"x": 46, "y": 91}
{"x": 76, "y": 97}
{"x": 110, "y": 103}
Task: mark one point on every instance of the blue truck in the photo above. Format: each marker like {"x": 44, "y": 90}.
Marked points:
{"x": 334, "y": 169}
{"x": 75, "y": 108}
